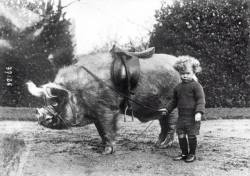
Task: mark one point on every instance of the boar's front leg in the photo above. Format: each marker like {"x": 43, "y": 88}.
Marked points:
{"x": 106, "y": 124}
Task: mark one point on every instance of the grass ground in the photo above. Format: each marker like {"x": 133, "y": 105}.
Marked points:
{"x": 28, "y": 114}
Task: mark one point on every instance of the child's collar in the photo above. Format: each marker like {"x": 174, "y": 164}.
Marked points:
{"x": 186, "y": 82}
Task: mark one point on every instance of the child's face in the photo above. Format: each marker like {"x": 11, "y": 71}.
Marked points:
{"x": 187, "y": 75}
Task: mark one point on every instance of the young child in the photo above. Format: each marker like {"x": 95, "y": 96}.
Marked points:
{"x": 189, "y": 98}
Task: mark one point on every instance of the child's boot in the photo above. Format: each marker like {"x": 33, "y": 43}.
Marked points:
{"x": 192, "y": 146}
{"x": 184, "y": 149}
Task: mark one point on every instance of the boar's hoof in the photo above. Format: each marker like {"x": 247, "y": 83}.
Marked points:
{"x": 166, "y": 145}
{"x": 108, "y": 150}
{"x": 168, "y": 142}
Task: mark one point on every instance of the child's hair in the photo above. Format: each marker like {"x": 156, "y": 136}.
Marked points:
{"x": 185, "y": 62}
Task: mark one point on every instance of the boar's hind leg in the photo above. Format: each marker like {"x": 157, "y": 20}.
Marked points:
{"x": 163, "y": 133}
{"x": 166, "y": 135}
{"x": 106, "y": 125}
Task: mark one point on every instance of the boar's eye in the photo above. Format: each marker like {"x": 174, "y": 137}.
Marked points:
{"x": 54, "y": 104}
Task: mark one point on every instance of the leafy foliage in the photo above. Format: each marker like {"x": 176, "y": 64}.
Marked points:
{"x": 36, "y": 52}
{"x": 216, "y": 32}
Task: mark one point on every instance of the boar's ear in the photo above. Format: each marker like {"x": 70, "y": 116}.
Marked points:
{"x": 60, "y": 93}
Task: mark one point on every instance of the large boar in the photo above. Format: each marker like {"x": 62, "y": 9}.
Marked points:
{"x": 86, "y": 92}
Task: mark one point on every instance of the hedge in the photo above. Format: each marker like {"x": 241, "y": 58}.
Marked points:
{"x": 216, "y": 32}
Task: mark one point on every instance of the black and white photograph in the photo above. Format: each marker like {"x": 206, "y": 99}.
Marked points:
{"x": 124, "y": 87}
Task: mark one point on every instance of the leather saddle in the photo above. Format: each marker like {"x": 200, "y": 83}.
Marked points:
{"x": 125, "y": 73}
{"x": 125, "y": 70}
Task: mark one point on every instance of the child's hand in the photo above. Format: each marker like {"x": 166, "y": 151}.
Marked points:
{"x": 197, "y": 117}
{"x": 163, "y": 111}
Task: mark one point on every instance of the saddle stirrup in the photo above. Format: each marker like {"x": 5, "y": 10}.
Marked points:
{"x": 125, "y": 113}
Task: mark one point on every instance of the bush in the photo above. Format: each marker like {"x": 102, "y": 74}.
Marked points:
{"x": 216, "y": 32}
{"x": 36, "y": 53}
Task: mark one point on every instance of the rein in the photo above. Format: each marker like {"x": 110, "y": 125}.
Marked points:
{"x": 118, "y": 92}
{"x": 67, "y": 123}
